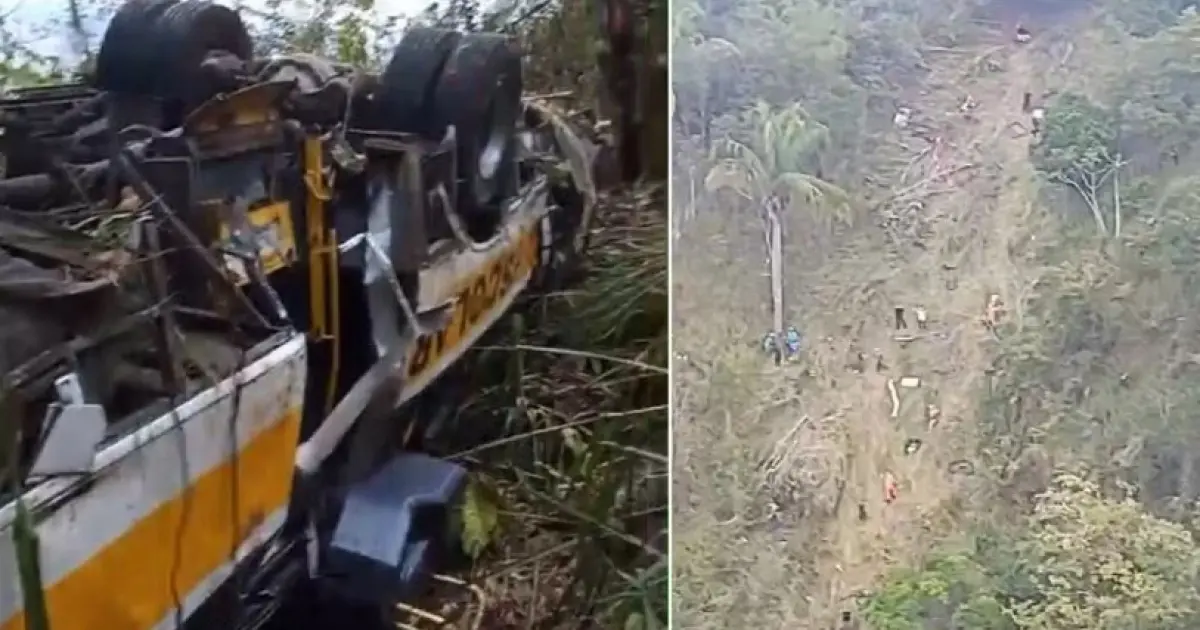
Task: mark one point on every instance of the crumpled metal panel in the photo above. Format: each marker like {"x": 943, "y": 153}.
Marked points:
{"x": 579, "y": 155}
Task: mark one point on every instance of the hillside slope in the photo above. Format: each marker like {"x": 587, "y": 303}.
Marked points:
{"x": 781, "y": 517}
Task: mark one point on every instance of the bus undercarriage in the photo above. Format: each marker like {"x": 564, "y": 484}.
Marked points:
{"x": 225, "y": 282}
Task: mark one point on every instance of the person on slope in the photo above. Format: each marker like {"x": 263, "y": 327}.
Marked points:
{"x": 770, "y": 346}
{"x": 791, "y": 340}
{"x": 891, "y": 491}
{"x": 922, "y": 318}
{"x": 1037, "y": 120}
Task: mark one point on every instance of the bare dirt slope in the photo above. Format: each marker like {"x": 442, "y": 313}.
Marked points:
{"x": 964, "y": 222}
{"x": 970, "y": 248}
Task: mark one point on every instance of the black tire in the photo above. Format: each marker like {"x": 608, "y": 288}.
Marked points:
{"x": 404, "y": 101}
{"x": 480, "y": 94}
{"x": 186, "y": 33}
{"x": 126, "y": 63}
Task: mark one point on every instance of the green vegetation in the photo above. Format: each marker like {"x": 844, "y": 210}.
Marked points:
{"x": 773, "y": 159}
{"x": 1079, "y": 150}
{"x": 1081, "y": 561}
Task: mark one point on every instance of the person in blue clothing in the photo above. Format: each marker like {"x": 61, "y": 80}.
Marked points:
{"x": 792, "y": 340}
{"x": 790, "y": 349}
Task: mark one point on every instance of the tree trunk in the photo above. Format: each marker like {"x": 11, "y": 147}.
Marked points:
{"x": 775, "y": 238}
{"x": 1117, "y": 204}
{"x": 654, "y": 96}
{"x": 1089, "y": 198}
{"x": 633, "y": 61}
{"x": 616, "y": 59}
{"x": 1187, "y": 476}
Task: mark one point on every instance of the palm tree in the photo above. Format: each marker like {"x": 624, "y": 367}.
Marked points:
{"x": 767, "y": 169}
{"x": 770, "y": 161}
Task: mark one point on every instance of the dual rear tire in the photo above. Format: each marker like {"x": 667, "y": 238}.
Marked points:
{"x": 154, "y": 48}
{"x": 435, "y": 79}
{"x": 439, "y": 78}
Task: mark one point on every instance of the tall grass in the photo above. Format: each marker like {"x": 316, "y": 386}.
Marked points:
{"x": 568, "y": 512}
{"x": 575, "y": 495}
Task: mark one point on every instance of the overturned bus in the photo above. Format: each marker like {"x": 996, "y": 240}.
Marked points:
{"x": 227, "y": 283}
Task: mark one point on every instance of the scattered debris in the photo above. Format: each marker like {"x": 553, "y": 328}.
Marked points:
{"x": 969, "y": 104}
{"x": 912, "y": 445}
{"x": 891, "y": 491}
{"x": 922, "y": 318}
{"x": 961, "y": 467}
{"x": 902, "y": 117}
{"x": 880, "y": 366}
{"x": 1023, "y": 35}
{"x": 1067, "y": 51}
{"x": 891, "y": 385}
{"x": 993, "y": 312}
{"x": 862, "y": 512}
{"x": 900, "y": 322}
{"x": 693, "y": 363}
{"x": 910, "y": 382}
{"x": 1027, "y": 102}
{"x": 857, "y": 363}
{"x": 1037, "y": 119}
{"x": 932, "y": 415}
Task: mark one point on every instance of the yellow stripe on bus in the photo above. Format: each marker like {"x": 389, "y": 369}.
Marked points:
{"x": 476, "y": 297}
{"x": 128, "y": 584}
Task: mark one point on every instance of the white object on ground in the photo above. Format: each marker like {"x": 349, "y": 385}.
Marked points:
{"x": 910, "y": 382}
{"x": 1037, "y": 118}
{"x": 891, "y": 385}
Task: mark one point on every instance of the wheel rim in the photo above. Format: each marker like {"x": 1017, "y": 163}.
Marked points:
{"x": 491, "y": 156}
{"x": 500, "y": 123}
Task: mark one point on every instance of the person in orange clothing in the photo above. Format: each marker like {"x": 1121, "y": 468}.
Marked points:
{"x": 890, "y": 490}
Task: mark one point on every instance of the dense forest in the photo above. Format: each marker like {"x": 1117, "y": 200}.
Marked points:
{"x": 988, "y": 248}
{"x": 565, "y": 430}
